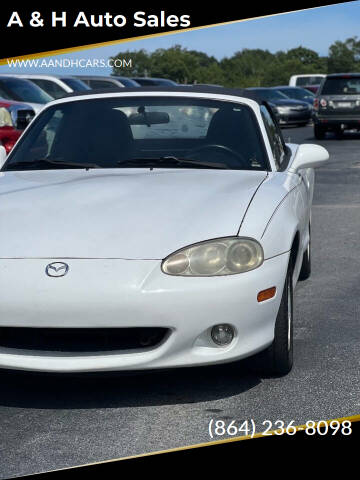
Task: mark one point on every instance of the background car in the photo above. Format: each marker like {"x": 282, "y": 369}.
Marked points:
{"x": 14, "y": 118}
{"x": 57, "y": 86}
{"x": 158, "y": 279}
{"x": 312, "y": 88}
{"x": 103, "y": 81}
{"x": 208, "y": 85}
{"x": 309, "y": 81}
{"x": 154, "y": 82}
{"x": 22, "y": 90}
{"x": 287, "y": 110}
{"x": 297, "y": 93}
{"x": 337, "y": 104}
{"x": 306, "y": 79}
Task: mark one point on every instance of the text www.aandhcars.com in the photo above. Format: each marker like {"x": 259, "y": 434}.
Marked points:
{"x": 71, "y": 63}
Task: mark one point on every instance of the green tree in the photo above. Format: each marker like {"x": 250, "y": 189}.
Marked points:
{"x": 212, "y": 74}
{"x": 304, "y": 56}
{"x": 246, "y": 68}
{"x": 344, "y": 56}
{"x": 141, "y": 63}
{"x": 173, "y": 63}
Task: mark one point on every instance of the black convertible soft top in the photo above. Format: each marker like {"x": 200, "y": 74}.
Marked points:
{"x": 237, "y": 92}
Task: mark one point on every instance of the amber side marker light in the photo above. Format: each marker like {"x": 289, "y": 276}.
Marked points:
{"x": 266, "y": 294}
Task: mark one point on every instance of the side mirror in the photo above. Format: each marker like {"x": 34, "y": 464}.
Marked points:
{"x": 2, "y": 156}
{"x": 308, "y": 156}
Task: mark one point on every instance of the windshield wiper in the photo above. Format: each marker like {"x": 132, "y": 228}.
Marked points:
{"x": 47, "y": 161}
{"x": 153, "y": 162}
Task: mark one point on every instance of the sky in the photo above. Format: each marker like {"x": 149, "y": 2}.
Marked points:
{"x": 314, "y": 28}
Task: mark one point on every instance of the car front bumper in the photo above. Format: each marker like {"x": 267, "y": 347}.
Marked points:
{"x": 98, "y": 293}
{"x": 294, "y": 117}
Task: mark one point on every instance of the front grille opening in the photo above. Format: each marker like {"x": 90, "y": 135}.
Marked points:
{"x": 67, "y": 340}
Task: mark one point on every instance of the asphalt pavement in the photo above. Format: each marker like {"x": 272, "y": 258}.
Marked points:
{"x": 50, "y": 422}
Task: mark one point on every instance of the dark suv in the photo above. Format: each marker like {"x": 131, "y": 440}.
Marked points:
{"x": 337, "y": 104}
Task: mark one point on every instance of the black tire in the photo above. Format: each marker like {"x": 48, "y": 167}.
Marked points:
{"x": 319, "y": 132}
{"x": 339, "y": 133}
{"x": 277, "y": 360}
{"x": 305, "y": 271}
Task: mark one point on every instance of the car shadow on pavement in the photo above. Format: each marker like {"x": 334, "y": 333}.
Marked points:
{"x": 290, "y": 134}
{"x": 347, "y": 135}
{"x": 116, "y": 390}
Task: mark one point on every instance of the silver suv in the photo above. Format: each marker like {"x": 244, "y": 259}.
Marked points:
{"x": 337, "y": 104}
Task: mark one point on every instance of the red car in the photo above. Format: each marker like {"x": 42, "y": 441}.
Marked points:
{"x": 14, "y": 118}
{"x": 312, "y": 88}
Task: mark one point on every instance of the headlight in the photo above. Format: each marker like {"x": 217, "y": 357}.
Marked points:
{"x": 283, "y": 109}
{"x": 222, "y": 256}
{"x": 5, "y": 118}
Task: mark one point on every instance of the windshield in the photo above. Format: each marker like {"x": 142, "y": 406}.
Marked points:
{"x": 313, "y": 80}
{"x": 341, "y": 86}
{"x": 75, "y": 84}
{"x": 269, "y": 94}
{"x": 297, "y": 93}
{"x": 22, "y": 91}
{"x": 145, "y": 132}
{"x": 145, "y": 82}
{"x": 50, "y": 87}
{"x": 127, "y": 82}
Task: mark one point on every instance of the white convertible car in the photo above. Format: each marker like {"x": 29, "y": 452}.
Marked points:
{"x": 153, "y": 228}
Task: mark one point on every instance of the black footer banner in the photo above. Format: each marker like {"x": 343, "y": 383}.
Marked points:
{"x": 323, "y": 442}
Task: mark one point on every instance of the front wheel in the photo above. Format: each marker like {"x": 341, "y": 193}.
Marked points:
{"x": 277, "y": 360}
{"x": 339, "y": 133}
{"x": 305, "y": 271}
{"x": 319, "y": 132}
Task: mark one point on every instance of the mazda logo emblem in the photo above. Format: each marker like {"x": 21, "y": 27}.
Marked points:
{"x": 57, "y": 269}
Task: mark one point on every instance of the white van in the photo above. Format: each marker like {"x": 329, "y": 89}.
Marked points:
{"x": 306, "y": 79}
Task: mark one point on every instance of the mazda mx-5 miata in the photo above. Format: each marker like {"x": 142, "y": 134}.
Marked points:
{"x": 152, "y": 228}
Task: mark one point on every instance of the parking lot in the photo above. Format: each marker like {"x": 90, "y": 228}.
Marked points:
{"x": 50, "y": 422}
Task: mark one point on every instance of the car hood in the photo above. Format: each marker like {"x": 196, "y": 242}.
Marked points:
{"x": 131, "y": 214}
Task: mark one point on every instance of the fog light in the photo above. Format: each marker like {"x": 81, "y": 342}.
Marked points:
{"x": 222, "y": 334}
